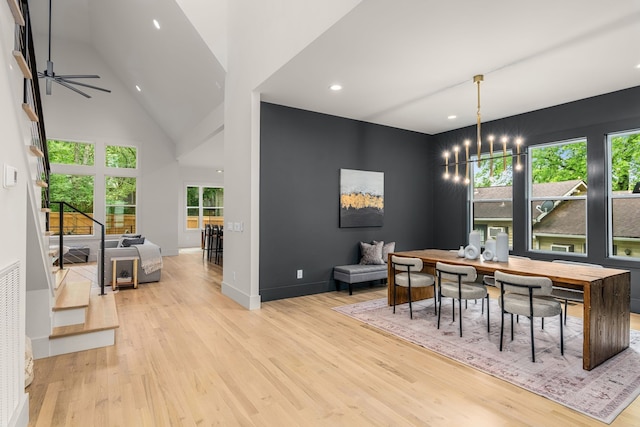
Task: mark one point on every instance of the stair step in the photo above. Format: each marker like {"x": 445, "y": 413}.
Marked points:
{"x": 18, "y": 17}
{"x": 73, "y": 295}
{"x": 102, "y": 315}
{"x": 35, "y": 151}
{"x": 30, "y": 113}
{"x": 22, "y": 63}
{"x": 61, "y": 275}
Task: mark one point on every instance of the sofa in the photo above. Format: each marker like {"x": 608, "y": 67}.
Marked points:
{"x": 114, "y": 248}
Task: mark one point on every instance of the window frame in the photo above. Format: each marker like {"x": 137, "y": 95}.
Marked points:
{"x": 100, "y": 172}
{"x": 612, "y": 246}
{"x": 530, "y": 199}
{"x": 201, "y": 208}
{"x": 484, "y": 228}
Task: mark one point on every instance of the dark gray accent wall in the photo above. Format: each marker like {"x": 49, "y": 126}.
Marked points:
{"x": 592, "y": 118}
{"x": 301, "y": 154}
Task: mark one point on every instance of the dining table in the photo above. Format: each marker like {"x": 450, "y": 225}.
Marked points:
{"x": 607, "y": 294}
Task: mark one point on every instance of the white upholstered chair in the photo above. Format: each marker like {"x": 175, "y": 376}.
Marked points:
{"x": 410, "y": 276}
{"x": 528, "y": 296}
{"x": 458, "y": 282}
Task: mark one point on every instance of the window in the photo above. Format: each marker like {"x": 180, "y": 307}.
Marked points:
{"x": 490, "y": 196}
{"x": 70, "y": 153}
{"x": 558, "y": 196}
{"x": 204, "y": 206}
{"x": 77, "y": 190}
{"x": 98, "y": 179}
{"x": 120, "y": 203}
{"x": 624, "y": 194}
{"x": 72, "y": 180}
{"x": 121, "y": 157}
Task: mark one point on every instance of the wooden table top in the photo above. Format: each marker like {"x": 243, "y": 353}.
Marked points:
{"x": 557, "y": 272}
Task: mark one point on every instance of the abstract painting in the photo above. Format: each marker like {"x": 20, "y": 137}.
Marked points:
{"x": 361, "y": 198}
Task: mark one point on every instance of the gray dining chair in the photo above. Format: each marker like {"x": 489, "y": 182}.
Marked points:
{"x": 458, "y": 282}
{"x": 568, "y": 294}
{"x": 528, "y": 296}
{"x": 410, "y": 276}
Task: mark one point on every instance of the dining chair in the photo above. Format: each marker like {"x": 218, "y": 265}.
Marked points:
{"x": 410, "y": 276}
{"x": 528, "y": 296}
{"x": 491, "y": 280}
{"x": 567, "y": 294}
{"x": 458, "y": 282}
{"x": 219, "y": 246}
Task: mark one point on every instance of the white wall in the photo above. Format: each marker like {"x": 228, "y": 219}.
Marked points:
{"x": 116, "y": 118}
{"x": 259, "y": 41}
{"x": 14, "y": 135}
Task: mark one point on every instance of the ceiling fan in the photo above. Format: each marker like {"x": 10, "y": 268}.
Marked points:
{"x": 65, "y": 80}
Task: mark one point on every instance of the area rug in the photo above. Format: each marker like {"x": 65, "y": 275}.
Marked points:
{"x": 601, "y": 393}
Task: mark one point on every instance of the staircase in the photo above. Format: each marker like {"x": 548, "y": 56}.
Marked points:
{"x": 78, "y": 317}
{"x": 82, "y": 319}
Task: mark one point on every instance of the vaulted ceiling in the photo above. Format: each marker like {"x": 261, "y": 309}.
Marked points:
{"x": 406, "y": 63}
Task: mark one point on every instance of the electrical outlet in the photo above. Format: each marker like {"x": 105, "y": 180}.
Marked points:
{"x": 299, "y": 274}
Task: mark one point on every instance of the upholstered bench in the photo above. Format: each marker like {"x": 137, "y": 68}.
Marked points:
{"x": 358, "y": 273}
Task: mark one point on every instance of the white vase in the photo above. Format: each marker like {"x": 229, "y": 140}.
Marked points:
{"x": 461, "y": 252}
{"x": 474, "y": 239}
{"x": 490, "y": 245}
{"x": 502, "y": 247}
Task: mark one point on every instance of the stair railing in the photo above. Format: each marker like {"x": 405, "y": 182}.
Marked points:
{"x": 61, "y": 239}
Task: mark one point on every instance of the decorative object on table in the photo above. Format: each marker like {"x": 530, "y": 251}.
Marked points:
{"x": 475, "y": 239}
{"x": 461, "y": 252}
{"x": 471, "y": 252}
{"x": 558, "y": 378}
{"x": 491, "y": 245}
{"x": 502, "y": 247}
{"x": 361, "y": 198}
{"x": 488, "y": 255}
{"x": 517, "y": 142}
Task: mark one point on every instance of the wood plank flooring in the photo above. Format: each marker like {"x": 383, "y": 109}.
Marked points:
{"x": 186, "y": 355}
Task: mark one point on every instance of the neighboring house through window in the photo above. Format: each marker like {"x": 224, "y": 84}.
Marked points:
{"x": 490, "y": 197}
{"x": 624, "y": 194}
{"x": 558, "y": 197}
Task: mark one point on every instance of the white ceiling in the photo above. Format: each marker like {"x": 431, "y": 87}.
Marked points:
{"x": 410, "y": 63}
{"x": 402, "y": 63}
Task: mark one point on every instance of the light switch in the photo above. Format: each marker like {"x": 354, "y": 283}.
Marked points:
{"x": 10, "y": 176}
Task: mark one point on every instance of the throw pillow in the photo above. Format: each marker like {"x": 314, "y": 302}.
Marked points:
{"x": 131, "y": 236}
{"x": 387, "y": 248}
{"x": 129, "y": 242}
{"x": 371, "y": 253}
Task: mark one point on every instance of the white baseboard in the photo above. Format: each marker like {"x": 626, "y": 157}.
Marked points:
{"x": 40, "y": 346}
{"x": 251, "y": 302}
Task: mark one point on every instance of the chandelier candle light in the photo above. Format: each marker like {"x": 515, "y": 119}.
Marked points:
{"x": 467, "y": 143}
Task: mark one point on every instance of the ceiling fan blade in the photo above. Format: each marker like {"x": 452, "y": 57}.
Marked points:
{"x": 63, "y": 83}
{"x": 78, "y": 76}
{"x": 59, "y": 79}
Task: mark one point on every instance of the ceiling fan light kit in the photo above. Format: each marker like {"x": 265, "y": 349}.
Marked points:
{"x": 66, "y": 80}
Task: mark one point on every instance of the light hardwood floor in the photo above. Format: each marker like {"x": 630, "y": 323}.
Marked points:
{"x": 186, "y": 355}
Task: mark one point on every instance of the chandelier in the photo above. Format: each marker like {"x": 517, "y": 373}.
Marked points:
{"x": 501, "y": 154}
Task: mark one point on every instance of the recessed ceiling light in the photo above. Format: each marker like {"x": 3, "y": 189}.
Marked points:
{"x": 335, "y": 87}
{"x": 638, "y": 66}
{"x": 452, "y": 116}
{"x": 138, "y": 88}
{"x": 219, "y": 171}
{"x": 156, "y": 24}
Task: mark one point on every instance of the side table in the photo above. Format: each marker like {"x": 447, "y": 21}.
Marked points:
{"x": 133, "y": 282}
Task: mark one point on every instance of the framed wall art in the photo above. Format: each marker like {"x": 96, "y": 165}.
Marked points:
{"x": 361, "y": 198}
